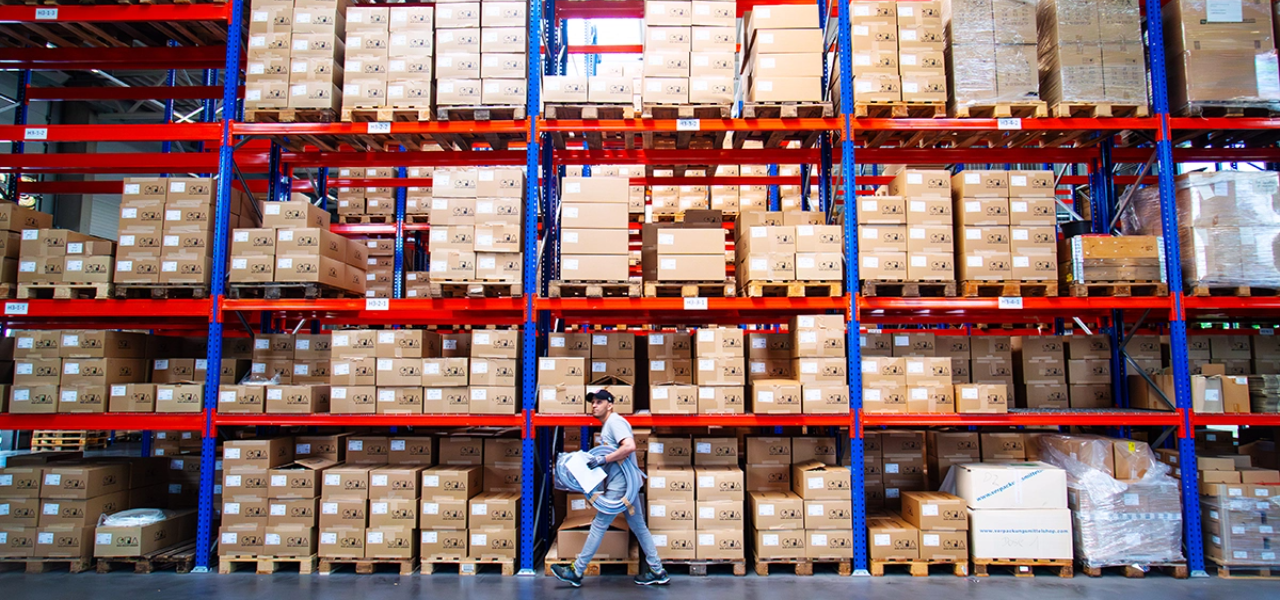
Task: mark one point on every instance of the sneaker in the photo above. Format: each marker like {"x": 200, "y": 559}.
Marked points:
{"x": 567, "y": 574}
{"x": 651, "y": 577}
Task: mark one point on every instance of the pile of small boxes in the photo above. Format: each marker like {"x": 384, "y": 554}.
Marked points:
{"x": 696, "y": 499}
{"x": 14, "y": 220}
{"x": 295, "y": 55}
{"x": 608, "y": 361}
{"x": 931, "y": 526}
{"x": 167, "y": 226}
{"x": 784, "y": 47}
{"x": 677, "y": 33}
{"x": 360, "y": 204}
{"x": 800, "y": 510}
{"x": 907, "y": 373}
{"x": 992, "y": 53}
{"x": 73, "y": 371}
{"x": 907, "y": 235}
{"x": 388, "y": 61}
{"x": 683, "y": 252}
{"x": 898, "y": 53}
{"x": 295, "y": 245}
{"x": 594, "y": 240}
{"x": 61, "y": 256}
{"x": 788, "y": 246}
{"x": 476, "y": 227}
{"x": 481, "y": 53}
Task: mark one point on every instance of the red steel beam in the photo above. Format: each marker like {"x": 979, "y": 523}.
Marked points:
{"x": 112, "y": 421}
{"x": 125, "y": 162}
{"x": 645, "y": 419}
{"x": 134, "y": 13}
{"x": 598, "y": 9}
{"x": 397, "y": 128}
{"x": 114, "y": 59}
{"x": 604, "y": 49}
{"x": 133, "y": 132}
{"x": 182, "y": 92}
{"x": 1027, "y": 417}
{"x": 467, "y": 420}
{"x": 405, "y": 159}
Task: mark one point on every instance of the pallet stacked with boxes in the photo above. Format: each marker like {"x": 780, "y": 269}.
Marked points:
{"x": 63, "y": 264}
{"x": 788, "y": 254}
{"x": 593, "y": 237}
{"x": 295, "y": 254}
{"x": 14, "y": 220}
{"x": 475, "y": 239}
{"x": 986, "y": 242}
{"x": 481, "y": 56}
{"x": 1220, "y": 61}
{"x": 783, "y": 64}
{"x": 992, "y": 58}
{"x": 388, "y": 63}
{"x": 670, "y": 40}
{"x": 1092, "y": 59}
{"x": 366, "y": 204}
{"x": 295, "y": 58}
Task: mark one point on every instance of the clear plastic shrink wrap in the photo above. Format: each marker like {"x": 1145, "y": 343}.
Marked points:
{"x": 991, "y": 51}
{"x": 1221, "y": 59}
{"x": 1228, "y": 226}
{"x": 1125, "y": 507}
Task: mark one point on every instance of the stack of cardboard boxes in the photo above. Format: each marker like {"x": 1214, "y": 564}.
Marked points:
{"x": 985, "y": 237}
{"x": 246, "y": 484}
{"x": 784, "y": 54}
{"x": 1220, "y": 59}
{"x": 915, "y": 385}
{"x": 921, "y": 51}
{"x": 372, "y": 204}
{"x": 944, "y": 449}
{"x": 294, "y": 245}
{"x": 671, "y": 200}
{"x": 389, "y": 57}
{"x": 481, "y": 51}
{"x": 1091, "y": 52}
{"x": 14, "y": 220}
{"x": 614, "y": 83}
{"x": 1016, "y": 511}
{"x": 992, "y": 54}
{"x": 593, "y": 220}
{"x": 562, "y": 385}
{"x": 788, "y": 246}
{"x": 57, "y": 256}
{"x": 295, "y": 55}
{"x": 688, "y": 252}
{"x": 720, "y": 370}
{"x": 695, "y": 512}
{"x": 380, "y": 271}
{"x": 670, "y": 491}
{"x": 820, "y": 363}
{"x": 675, "y": 34}
{"x": 1041, "y": 371}
{"x": 938, "y": 522}
{"x": 824, "y": 489}
{"x": 610, "y": 363}
{"x": 476, "y": 217}
{"x": 1089, "y": 371}
{"x": 1120, "y": 260}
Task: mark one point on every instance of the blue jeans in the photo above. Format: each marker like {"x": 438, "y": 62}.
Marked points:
{"x": 635, "y": 520}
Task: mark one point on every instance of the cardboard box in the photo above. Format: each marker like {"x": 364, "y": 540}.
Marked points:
{"x": 83, "y": 482}
{"x": 816, "y": 481}
{"x": 891, "y": 538}
{"x": 1011, "y": 533}
{"x": 984, "y": 486}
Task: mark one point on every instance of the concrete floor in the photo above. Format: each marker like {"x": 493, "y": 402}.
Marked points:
{"x": 243, "y": 586}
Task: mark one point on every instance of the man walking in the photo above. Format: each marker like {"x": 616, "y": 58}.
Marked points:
{"x": 615, "y": 433}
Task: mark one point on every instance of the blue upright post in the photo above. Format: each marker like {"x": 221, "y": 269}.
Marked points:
{"x": 207, "y": 115}
{"x": 852, "y": 338}
{"x": 217, "y": 287}
{"x": 824, "y": 176}
{"x": 529, "y": 274}
{"x": 397, "y": 283}
{"x": 1173, "y": 275}
{"x": 804, "y": 187}
{"x": 19, "y": 120}
{"x": 1102, "y": 205}
{"x": 322, "y": 187}
{"x": 273, "y": 173}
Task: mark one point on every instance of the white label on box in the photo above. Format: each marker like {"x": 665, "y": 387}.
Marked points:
{"x": 1212, "y": 395}
{"x": 973, "y": 261}
{"x": 276, "y": 394}
{"x": 1017, "y": 206}
{"x": 871, "y": 394}
{"x": 814, "y": 483}
{"x": 334, "y": 478}
{"x": 231, "y": 508}
{"x": 386, "y": 395}
{"x": 25, "y": 368}
{"x": 706, "y": 364}
{"x": 479, "y": 394}
{"x": 816, "y": 510}
{"x": 706, "y": 539}
{"x": 891, "y": 467}
{"x": 51, "y": 508}
{"x": 882, "y": 539}
{"x": 657, "y": 447}
{"x": 871, "y": 262}
{"x": 1224, "y": 11}
{"x": 231, "y": 537}
{"x": 231, "y": 454}
{"x": 378, "y": 508}
{"x": 69, "y": 396}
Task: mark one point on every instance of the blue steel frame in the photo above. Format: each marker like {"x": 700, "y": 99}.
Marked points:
{"x": 1191, "y": 534}
{"x": 528, "y": 338}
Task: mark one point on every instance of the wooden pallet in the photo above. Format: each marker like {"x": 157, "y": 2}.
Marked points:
{"x": 686, "y": 111}
{"x": 64, "y": 291}
{"x": 1175, "y": 570}
{"x": 1230, "y": 109}
{"x": 64, "y": 440}
{"x": 1244, "y": 571}
{"x": 266, "y": 565}
{"x": 1003, "y": 110}
{"x": 8, "y": 290}
{"x": 921, "y": 568}
{"x": 162, "y": 291}
{"x": 1119, "y": 289}
{"x": 908, "y": 289}
{"x": 468, "y": 566}
{"x": 366, "y": 218}
{"x": 368, "y": 566}
{"x": 385, "y": 114}
{"x": 290, "y": 115}
{"x": 1243, "y": 291}
{"x": 588, "y": 112}
{"x": 595, "y": 289}
{"x": 792, "y": 289}
{"x": 1024, "y": 567}
{"x": 480, "y": 113}
{"x": 993, "y": 289}
{"x": 181, "y": 557}
{"x": 40, "y": 565}
{"x": 700, "y": 567}
{"x": 787, "y": 110}
{"x": 474, "y": 289}
{"x": 801, "y": 567}
{"x": 900, "y": 110}
{"x": 700, "y": 289}
{"x": 276, "y": 291}
{"x": 1066, "y": 110}
{"x": 597, "y": 566}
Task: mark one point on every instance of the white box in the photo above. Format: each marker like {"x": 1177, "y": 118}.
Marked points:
{"x": 1020, "y": 533}
{"x": 1021, "y": 485}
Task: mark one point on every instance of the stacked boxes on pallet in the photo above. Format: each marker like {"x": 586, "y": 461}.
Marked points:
{"x": 1131, "y": 259}
{"x": 379, "y": 201}
{"x": 787, "y": 246}
{"x": 1091, "y": 52}
{"x": 876, "y": 63}
{"x": 476, "y": 217}
{"x": 720, "y": 372}
{"x": 389, "y": 57}
{"x": 1040, "y": 368}
{"x": 686, "y": 251}
{"x": 688, "y": 53}
{"x": 784, "y": 46}
{"x": 60, "y": 256}
{"x": 1016, "y": 511}
{"x": 820, "y": 362}
{"x": 381, "y": 270}
{"x": 481, "y": 51}
{"x": 1089, "y": 371}
{"x": 14, "y": 220}
{"x": 294, "y": 245}
{"x": 921, "y": 51}
{"x": 246, "y": 485}
{"x": 991, "y": 52}
{"x": 593, "y": 223}
{"x": 295, "y": 55}
{"x": 942, "y": 522}
{"x": 1218, "y": 59}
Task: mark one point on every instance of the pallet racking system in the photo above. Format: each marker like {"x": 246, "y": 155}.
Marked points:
{"x": 232, "y": 148}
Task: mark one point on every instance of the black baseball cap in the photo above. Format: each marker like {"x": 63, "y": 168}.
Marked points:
{"x": 600, "y": 395}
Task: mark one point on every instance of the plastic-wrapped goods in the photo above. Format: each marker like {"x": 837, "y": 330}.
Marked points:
{"x": 1084, "y": 59}
{"x": 1227, "y": 58}
{"x": 1238, "y": 530}
{"x": 991, "y": 51}
{"x": 1264, "y": 393}
{"x": 1136, "y": 519}
{"x": 1228, "y": 226}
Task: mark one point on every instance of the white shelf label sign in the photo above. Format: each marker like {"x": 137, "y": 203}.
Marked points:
{"x": 1010, "y": 303}
{"x": 36, "y": 133}
{"x": 688, "y": 124}
{"x": 379, "y": 127}
{"x": 695, "y": 304}
{"x": 15, "y": 308}
{"x": 46, "y": 14}
{"x": 1014, "y": 123}
{"x": 377, "y": 304}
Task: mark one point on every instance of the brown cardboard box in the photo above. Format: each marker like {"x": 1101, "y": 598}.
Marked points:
{"x": 776, "y": 511}
{"x": 443, "y": 513}
{"x": 352, "y": 399}
{"x": 776, "y": 396}
{"x": 934, "y": 511}
{"x": 981, "y": 398}
{"x": 720, "y": 544}
{"x": 816, "y": 481}
{"x": 892, "y": 538}
{"x": 779, "y": 543}
{"x": 980, "y": 184}
{"x": 83, "y": 482}
{"x": 132, "y": 397}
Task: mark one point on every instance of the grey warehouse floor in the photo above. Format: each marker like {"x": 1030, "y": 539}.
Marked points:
{"x": 347, "y": 586}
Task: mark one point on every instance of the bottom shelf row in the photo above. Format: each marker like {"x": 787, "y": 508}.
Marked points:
{"x": 718, "y": 497}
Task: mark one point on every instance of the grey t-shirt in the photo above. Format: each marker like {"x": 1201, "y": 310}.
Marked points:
{"x": 614, "y": 430}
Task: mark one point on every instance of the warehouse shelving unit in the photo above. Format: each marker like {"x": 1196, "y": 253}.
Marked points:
{"x": 276, "y": 149}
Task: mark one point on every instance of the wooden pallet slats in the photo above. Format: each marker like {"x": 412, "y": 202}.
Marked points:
{"x": 1003, "y": 110}
{"x": 908, "y": 289}
{"x": 474, "y": 289}
{"x": 64, "y": 291}
{"x": 1243, "y": 291}
{"x": 701, "y": 567}
{"x": 921, "y": 568}
{"x": 385, "y": 114}
{"x": 793, "y": 289}
{"x": 1118, "y": 289}
{"x": 278, "y": 290}
{"x": 690, "y": 289}
{"x": 597, "y": 566}
{"x": 1008, "y": 289}
{"x": 1175, "y": 570}
{"x": 161, "y": 291}
{"x": 290, "y": 115}
{"x": 180, "y": 556}
{"x": 900, "y": 110}
{"x": 266, "y": 565}
{"x": 368, "y": 566}
{"x": 595, "y": 289}
{"x": 588, "y": 112}
{"x": 34, "y": 565}
{"x": 1098, "y": 110}
{"x": 801, "y": 567}
{"x": 1024, "y": 567}
{"x": 468, "y": 567}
